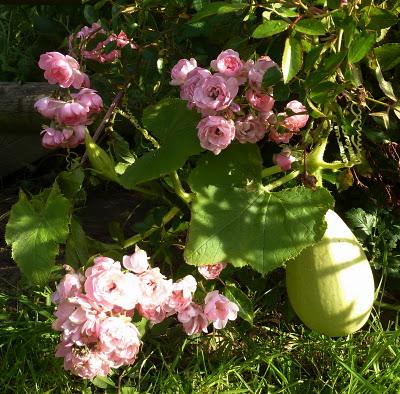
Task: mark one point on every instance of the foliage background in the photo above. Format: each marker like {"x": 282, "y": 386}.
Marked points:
{"x": 275, "y": 354}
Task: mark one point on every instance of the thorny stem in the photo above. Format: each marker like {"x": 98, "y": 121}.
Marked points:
{"x": 127, "y": 115}
{"x": 106, "y": 118}
{"x": 281, "y": 181}
{"x": 139, "y": 237}
{"x": 178, "y": 188}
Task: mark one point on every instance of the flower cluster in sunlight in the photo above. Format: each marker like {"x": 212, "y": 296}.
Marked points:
{"x": 95, "y": 310}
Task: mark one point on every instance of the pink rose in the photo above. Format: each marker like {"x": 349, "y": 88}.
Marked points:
{"x": 72, "y": 114}
{"x": 228, "y": 63}
{"x": 122, "y": 39}
{"x": 193, "y": 319}
{"x": 52, "y": 138}
{"x": 87, "y": 31}
{"x": 258, "y": 69}
{"x": 181, "y": 70}
{"x": 83, "y": 362}
{"x": 279, "y": 138}
{"x": 100, "y": 264}
{"x": 113, "y": 288}
{"x": 137, "y": 262}
{"x": 89, "y": 99}
{"x": 249, "y": 129}
{"x": 155, "y": 289}
{"x": 69, "y": 137}
{"x": 215, "y": 92}
{"x": 61, "y": 69}
{"x": 62, "y": 313}
{"x": 219, "y": 309}
{"x": 284, "y": 159}
{"x": 193, "y": 78}
{"x": 181, "y": 296}
{"x": 292, "y": 121}
{"x": 48, "y": 107}
{"x": 215, "y": 133}
{"x": 82, "y": 326}
{"x": 119, "y": 340}
{"x": 74, "y": 136}
{"x": 70, "y": 285}
{"x": 259, "y": 101}
{"x": 155, "y": 313}
{"x": 211, "y": 271}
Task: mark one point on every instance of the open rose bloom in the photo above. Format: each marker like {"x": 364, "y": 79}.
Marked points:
{"x": 62, "y": 70}
{"x": 233, "y": 102}
{"x": 95, "y": 309}
{"x": 69, "y": 117}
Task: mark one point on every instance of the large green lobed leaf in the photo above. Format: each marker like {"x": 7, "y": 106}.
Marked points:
{"x": 237, "y": 166}
{"x": 35, "y": 230}
{"x": 175, "y": 127}
{"x": 258, "y": 228}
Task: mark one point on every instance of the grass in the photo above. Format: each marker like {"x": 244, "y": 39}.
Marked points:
{"x": 273, "y": 356}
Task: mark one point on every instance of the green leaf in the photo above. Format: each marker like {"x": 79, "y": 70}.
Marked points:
{"x": 99, "y": 159}
{"x": 258, "y": 228}
{"x": 311, "y": 27}
{"x": 90, "y": 13}
{"x": 109, "y": 47}
{"x": 364, "y": 222}
{"x": 70, "y": 182}
{"x": 325, "y": 92}
{"x": 292, "y": 58}
{"x": 282, "y": 10}
{"x": 328, "y": 67}
{"x": 281, "y": 92}
{"x": 388, "y": 55}
{"x": 360, "y": 46}
{"x": 175, "y": 127}
{"x": 234, "y": 294}
{"x": 379, "y": 18}
{"x": 129, "y": 390}
{"x": 35, "y": 229}
{"x": 236, "y": 166}
{"x": 396, "y": 110}
{"x": 385, "y": 86}
{"x": 217, "y": 8}
{"x": 312, "y": 57}
{"x": 271, "y": 77}
{"x": 48, "y": 27}
{"x": 76, "y": 249}
{"x": 270, "y": 28}
{"x": 103, "y": 382}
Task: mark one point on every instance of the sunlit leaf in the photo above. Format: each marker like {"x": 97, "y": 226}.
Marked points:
{"x": 292, "y": 59}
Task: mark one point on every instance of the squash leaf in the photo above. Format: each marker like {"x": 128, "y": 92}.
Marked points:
{"x": 35, "y": 230}
{"x": 256, "y": 228}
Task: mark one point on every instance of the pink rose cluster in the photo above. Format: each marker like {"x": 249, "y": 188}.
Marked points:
{"x": 69, "y": 117}
{"x": 233, "y": 103}
{"x": 95, "y": 309}
{"x": 98, "y": 53}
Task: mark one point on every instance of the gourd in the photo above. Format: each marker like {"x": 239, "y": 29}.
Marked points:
{"x": 330, "y": 284}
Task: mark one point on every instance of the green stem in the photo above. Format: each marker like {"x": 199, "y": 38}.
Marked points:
{"x": 336, "y": 165}
{"x": 127, "y": 115}
{"x": 281, "y": 181}
{"x": 377, "y": 101}
{"x": 179, "y": 190}
{"x": 384, "y": 305}
{"x": 270, "y": 171}
{"x": 139, "y": 237}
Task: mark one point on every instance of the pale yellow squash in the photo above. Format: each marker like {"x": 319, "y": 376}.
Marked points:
{"x": 330, "y": 284}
